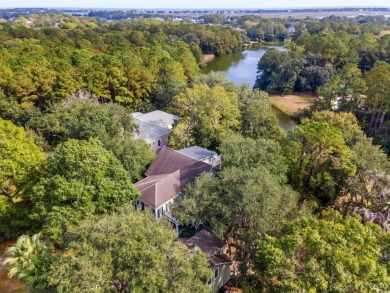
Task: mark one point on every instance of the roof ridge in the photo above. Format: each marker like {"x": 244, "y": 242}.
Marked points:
{"x": 147, "y": 187}
{"x": 151, "y": 123}
{"x": 159, "y": 181}
{"x": 151, "y": 176}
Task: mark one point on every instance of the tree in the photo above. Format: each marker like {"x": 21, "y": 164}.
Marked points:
{"x": 279, "y": 71}
{"x": 110, "y": 123}
{"x": 211, "y": 118}
{"x": 247, "y": 198}
{"x": 246, "y": 153}
{"x": 29, "y": 260}
{"x": 377, "y": 104}
{"x": 258, "y": 120}
{"x": 80, "y": 180}
{"x": 181, "y": 135}
{"x": 346, "y": 122}
{"x": 345, "y": 90}
{"x": 128, "y": 251}
{"x": 19, "y": 157}
{"x": 319, "y": 161}
{"x": 330, "y": 254}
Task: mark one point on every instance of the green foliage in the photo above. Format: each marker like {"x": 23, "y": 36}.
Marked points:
{"x": 330, "y": 254}
{"x": 117, "y": 253}
{"x": 247, "y": 153}
{"x": 258, "y": 120}
{"x": 247, "y": 198}
{"x": 110, "y": 123}
{"x": 346, "y": 122}
{"x": 209, "y": 119}
{"x": 289, "y": 71}
{"x": 123, "y": 62}
{"x": 81, "y": 179}
{"x": 318, "y": 160}
{"x": 19, "y": 157}
{"x": 29, "y": 260}
{"x": 377, "y": 103}
{"x": 345, "y": 90}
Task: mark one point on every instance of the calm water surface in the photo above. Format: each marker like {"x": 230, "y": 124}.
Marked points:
{"x": 242, "y": 68}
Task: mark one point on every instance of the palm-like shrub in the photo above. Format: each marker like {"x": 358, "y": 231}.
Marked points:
{"x": 29, "y": 260}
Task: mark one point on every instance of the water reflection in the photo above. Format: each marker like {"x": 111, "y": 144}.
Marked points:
{"x": 242, "y": 68}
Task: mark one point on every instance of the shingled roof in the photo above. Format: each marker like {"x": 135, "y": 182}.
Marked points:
{"x": 167, "y": 176}
{"x": 206, "y": 241}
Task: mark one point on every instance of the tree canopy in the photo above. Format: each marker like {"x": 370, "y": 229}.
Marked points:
{"x": 329, "y": 254}
{"x": 80, "y": 180}
{"x": 115, "y": 254}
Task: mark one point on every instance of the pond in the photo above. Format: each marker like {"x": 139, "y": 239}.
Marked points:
{"x": 242, "y": 68}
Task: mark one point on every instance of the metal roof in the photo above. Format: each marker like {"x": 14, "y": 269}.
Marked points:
{"x": 158, "y": 117}
{"x": 197, "y": 153}
{"x": 149, "y": 131}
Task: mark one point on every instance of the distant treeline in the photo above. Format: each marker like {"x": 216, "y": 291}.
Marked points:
{"x": 131, "y": 63}
{"x": 126, "y": 13}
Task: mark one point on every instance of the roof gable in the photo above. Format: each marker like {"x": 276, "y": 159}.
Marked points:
{"x": 158, "y": 189}
{"x": 167, "y": 176}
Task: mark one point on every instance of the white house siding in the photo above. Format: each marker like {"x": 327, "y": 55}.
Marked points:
{"x": 223, "y": 277}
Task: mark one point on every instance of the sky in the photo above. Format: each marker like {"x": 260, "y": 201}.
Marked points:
{"x": 179, "y": 4}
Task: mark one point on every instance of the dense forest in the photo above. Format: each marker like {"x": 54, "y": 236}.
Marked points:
{"x": 303, "y": 211}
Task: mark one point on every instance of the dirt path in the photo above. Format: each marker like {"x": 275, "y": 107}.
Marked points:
{"x": 8, "y": 285}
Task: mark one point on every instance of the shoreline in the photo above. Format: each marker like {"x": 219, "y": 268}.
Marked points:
{"x": 206, "y": 58}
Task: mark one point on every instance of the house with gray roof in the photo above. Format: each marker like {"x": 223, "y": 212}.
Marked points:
{"x": 154, "y": 127}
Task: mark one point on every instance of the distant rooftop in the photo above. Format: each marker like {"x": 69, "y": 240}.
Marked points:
{"x": 149, "y": 131}
{"x": 197, "y": 153}
{"x": 157, "y": 117}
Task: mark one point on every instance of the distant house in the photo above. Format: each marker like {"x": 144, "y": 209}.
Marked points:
{"x": 166, "y": 178}
{"x": 291, "y": 31}
{"x": 154, "y": 127}
{"x": 202, "y": 155}
{"x": 212, "y": 246}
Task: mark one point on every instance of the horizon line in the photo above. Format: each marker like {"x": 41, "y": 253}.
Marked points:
{"x": 200, "y": 8}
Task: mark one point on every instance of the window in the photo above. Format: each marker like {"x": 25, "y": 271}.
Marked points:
{"x": 216, "y": 273}
{"x": 153, "y": 143}
{"x": 159, "y": 142}
{"x": 160, "y": 212}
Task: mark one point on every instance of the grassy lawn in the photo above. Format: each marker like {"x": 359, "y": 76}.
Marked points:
{"x": 382, "y": 33}
{"x": 290, "y": 104}
{"x": 8, "y": 285}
